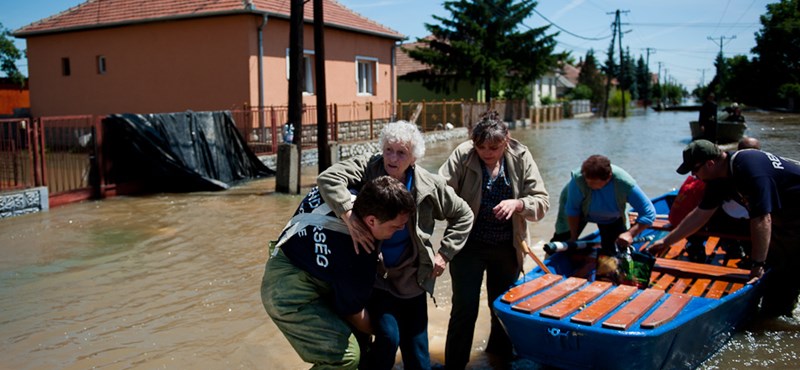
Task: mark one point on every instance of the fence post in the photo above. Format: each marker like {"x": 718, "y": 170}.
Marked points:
{"x": 96, "y": 162}
{"x": 371, "y": 121}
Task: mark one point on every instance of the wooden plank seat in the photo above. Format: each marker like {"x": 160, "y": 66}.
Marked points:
{"x": 523, "y": 290}
{"x": 667, "y": 311}
{"x": 604, "y": 305}
{"x": 685, "y": 268}
{"x": 635, "y": 309}
{"x": 576, "y": 301}
{"x": 549, "y": 296}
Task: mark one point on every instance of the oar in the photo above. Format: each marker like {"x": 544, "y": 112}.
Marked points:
{"x": 539, "y": 262}
{"x": 553, "y": 247}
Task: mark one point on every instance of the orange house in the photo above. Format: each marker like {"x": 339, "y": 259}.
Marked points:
{"x": 122, "y": 56}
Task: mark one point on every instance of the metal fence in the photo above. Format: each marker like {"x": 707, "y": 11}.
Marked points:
{"x": 65, "y": 153}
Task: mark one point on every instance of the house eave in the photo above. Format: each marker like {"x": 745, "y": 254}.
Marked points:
{"x": 190, "y": 16}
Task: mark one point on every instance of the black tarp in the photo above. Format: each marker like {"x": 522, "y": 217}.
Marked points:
{"x": 178, "y": 152}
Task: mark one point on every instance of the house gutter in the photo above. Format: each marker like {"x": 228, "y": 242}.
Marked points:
{"x": 263, "y": 24}
{"x": 394, "y": 80}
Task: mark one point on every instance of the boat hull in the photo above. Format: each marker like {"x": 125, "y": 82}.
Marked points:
{"x": 697, "y": 331}
{"x": 727, "y": 132}
{"x": 701, "y": 330}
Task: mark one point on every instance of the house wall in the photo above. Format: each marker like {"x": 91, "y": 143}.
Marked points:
{"x": 543, "y": 86}
{"x": 198, "y": 64}
{"x": 341, "y": 49}
{"x": 12, "y": 97}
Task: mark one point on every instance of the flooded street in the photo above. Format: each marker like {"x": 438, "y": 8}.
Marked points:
{"x": 172, "y": 280}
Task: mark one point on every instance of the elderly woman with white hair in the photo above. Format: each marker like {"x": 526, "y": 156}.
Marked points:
{"x": 409, "y": 263}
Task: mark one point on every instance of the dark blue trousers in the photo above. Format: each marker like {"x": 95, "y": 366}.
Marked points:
{"x": 398, "y": 323}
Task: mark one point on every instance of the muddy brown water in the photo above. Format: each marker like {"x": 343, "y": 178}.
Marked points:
{"x": 172, "y": 280}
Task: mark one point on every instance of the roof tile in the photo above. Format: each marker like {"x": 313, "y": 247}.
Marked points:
{"x": 100, "y": 13}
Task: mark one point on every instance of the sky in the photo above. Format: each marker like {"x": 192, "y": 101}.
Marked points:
{"x": 683, "y": 37}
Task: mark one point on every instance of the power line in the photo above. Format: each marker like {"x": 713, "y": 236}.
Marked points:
{"x": 568, "y": 32}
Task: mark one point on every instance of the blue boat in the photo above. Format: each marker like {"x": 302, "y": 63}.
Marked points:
{"x": 567, "y": 319}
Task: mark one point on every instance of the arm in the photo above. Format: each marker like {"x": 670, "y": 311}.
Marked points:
{"x": 647, "y": 215}
{"x": 693, "y": 222}
{"x": 760, "y": 233}
{"x": 360, "y": 321}
{"x": 334, "y": 184}
{"x": 533, "y": 201}
{"x": 459, "y": 220}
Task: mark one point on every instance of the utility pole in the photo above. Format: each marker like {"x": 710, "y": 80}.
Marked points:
{"x": 649, "y": 77}
{"x": 296, "y": 81}
{"x": 702, "y": 76}
{"x": 721, "y": 43}
{"x": 609, "y": 71}
{"x": 324, "y": 153}
{"x": 621, "y": 65}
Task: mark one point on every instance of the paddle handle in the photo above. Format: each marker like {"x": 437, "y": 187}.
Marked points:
{"x": 535, "y": 259}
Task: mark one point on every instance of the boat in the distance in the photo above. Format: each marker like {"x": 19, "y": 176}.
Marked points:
{"x": 567, "y": 319}
{"x": 727, "y": 131}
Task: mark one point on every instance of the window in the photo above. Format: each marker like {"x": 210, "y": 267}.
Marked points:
{"x": 366, "y": 77}
{"x": 101, "y": 64}
{"x": 65, "y": 70}
{"x": 307, "y": 70}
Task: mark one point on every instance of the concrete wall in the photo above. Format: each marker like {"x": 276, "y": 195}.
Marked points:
{"x": 22, "y": 202}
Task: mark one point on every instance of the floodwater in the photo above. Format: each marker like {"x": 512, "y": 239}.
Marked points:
{"x": 172, "y": 280}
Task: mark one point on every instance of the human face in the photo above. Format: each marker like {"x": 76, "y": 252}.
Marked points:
{"x": 597, "y": 184}
{"x": 698, "y": 169}
{"x": 490, "y": 152}
{"x": 397, "y": 158}
{"x": 384, "y": 230}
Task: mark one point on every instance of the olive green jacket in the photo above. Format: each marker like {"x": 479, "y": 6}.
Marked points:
{"x": 435, "y": 201}
{"x": 462, "y": 171}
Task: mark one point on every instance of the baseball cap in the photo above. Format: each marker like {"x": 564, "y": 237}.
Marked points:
{"x": 696, "y": 152}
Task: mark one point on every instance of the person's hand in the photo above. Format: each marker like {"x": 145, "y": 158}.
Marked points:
{"x": 439, "y": 264}
{"x": 362, "y": 237}
{"x": 624, "y": 240}
{"x": 756, "y": 272}
{"x": 506, "y": 208}
{"x": 658, "y": 248}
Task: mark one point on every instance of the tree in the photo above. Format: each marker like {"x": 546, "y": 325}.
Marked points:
{"x": 591, "y": 77}
{"x": 481, "y": 42}
{"x": 778, "y": 48}
{"x": 643, "y": 80}
{"x": 9, "y": 54}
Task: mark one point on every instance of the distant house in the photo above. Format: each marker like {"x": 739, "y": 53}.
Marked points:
{"x": 14, "y": 99}
{"x": 115, "y": 56}
{"x": 411, "y": 89}
{"x": 552, "y": 85}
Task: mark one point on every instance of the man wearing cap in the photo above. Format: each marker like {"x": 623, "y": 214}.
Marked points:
{"x": 769, "y": 186}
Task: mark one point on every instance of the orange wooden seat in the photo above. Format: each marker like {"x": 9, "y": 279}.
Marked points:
{"x": 679, "y": 268}
{"x": 635, "y": 309}
{"x": 663, "y": 282}
{"x": 699, "y": 287}
{"x": 549, "y": 296}
{"x": 523, "y": 290}
{"x": 717, "y": 289}
{"x": 576, "y": 301}
{"x": 667, "y": 311}
{"x": 604, "y": 305}
{"x": 680, "y": 286}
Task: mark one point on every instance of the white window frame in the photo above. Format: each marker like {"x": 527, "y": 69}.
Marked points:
{"x": 366, "y": 86}
{"x": 308, "y": 62}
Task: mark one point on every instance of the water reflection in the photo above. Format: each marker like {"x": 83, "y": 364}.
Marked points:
{"x": 172, "y": 280}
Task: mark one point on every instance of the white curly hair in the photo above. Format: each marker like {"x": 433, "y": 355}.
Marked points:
{"x": 403, "y": 132}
